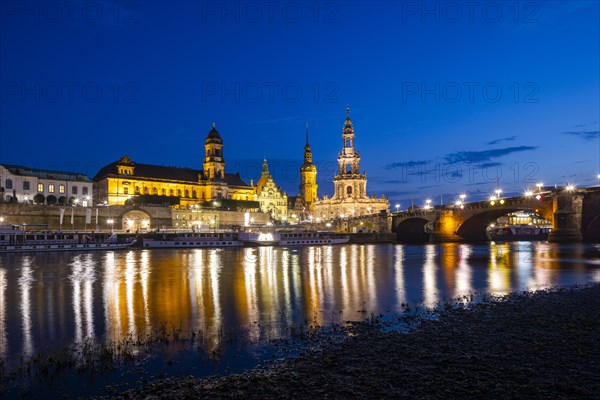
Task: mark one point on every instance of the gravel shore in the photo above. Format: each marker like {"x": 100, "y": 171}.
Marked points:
{"x": 543, "y": 344}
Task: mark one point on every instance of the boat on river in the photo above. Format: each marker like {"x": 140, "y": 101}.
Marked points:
{"x": 14, "y": 240}
{"x": 192, "y": 240}
{"x": 291, "y": 238}
{"x": 519, "y": 226}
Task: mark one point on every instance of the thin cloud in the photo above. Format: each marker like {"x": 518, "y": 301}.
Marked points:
{"x": 501, "y": 140}
{"x": 585, "y": 135}
{"x": 485, "y": 155}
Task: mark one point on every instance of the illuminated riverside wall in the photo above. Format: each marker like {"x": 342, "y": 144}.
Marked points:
{"x": 123, "y": 217}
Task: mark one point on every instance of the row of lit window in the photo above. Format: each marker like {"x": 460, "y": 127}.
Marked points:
{"x": 163, "y": 192}
{"x": 51, "y": 187}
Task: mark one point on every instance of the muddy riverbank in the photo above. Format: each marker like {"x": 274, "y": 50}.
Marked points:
{"x": 541, "y": 344}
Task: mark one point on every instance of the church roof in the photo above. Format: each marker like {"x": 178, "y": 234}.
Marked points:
{"x": 165, "y": 173}
{"x": 214, "y": 135}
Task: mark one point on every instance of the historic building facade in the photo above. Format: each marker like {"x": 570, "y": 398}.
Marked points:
{"x": 271, "y": 198}
{"x": 350, "y": 198}
{"x": 119, "y": 181}
{"x": 28, "y": 185}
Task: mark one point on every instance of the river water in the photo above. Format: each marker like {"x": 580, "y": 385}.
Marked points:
{"x": 48, "y": 299}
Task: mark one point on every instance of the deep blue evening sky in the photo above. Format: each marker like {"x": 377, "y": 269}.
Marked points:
{"x": 443, "y": 99}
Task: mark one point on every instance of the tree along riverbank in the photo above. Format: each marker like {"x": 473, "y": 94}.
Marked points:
{"x": 543, "y": 344}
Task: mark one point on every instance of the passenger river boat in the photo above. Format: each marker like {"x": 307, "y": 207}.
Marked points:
{"x": 291, "y": 238}
{"x": 192, "y": 240}
{"x": 248, "y": 237}
{"x": 519, "y": 226}
{"x": 16, "y": 240}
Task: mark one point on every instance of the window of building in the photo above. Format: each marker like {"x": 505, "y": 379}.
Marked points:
{"x": 61, "y": 189}
{"x": 154, "y": 190}
{"x": 171, "y": 192}
{"x": 125, "y": 190}
{"x": 194, "y": 194}
{"x": 25, "y": 185}
{"x": 51, "y": 188}
{"x": 40, "y": 187}
{"x": 84, "y": 190}
{"x": 179, "y": 192}
{"x": 163, "y": 191}
{"x": 349, "y": 191}
{"x": 146, "y": 191}
{"x": 9, "y": 184}
{"x": 137, "y": 190}
{"x": 187, "y": 193}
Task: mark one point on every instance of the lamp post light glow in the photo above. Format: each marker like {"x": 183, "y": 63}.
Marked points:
{"x": 110, "y": 222}
{"x": 570, "y": 187}
{"x": 397, "y": 207}
{"x": 539, "y": 185}
{"x": 427, "y": 204}
{"x": 1, "y": 220}
{"x": 528, "y": 193}
{"x": 498, "y": 191}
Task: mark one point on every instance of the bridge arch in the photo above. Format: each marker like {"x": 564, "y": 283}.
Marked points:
{"x": 474, "y": 228}
{"x": 412, "y": 230}
{"x": 135, "y": 221}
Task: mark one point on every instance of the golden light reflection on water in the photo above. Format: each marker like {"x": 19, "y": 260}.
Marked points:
{"x": 500, "y": 268}
{"x": 25, "y": 291}
{"x": 82, "y": 278}
{"x": 261, "y": 290}
{"x": 400, "y": 288}
{"x": 464, "y": 273}
{"x": 430, "y": 295}
{"x": 3, "y": 333}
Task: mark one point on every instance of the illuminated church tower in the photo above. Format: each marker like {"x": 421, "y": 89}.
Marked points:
{"x": 349, "y": 182}
{"x": 214, "y": 163}
{"x": 350, "y": 198}
{"x": 308, "y": 178}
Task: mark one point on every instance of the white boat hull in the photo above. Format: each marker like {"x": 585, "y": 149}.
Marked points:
{"x": 63, "y": 247}
{"x": 300, "y": 238}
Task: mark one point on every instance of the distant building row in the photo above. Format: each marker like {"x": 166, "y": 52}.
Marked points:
{"x": 123, "y": 179}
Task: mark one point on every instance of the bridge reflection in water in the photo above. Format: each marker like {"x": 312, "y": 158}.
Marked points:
{"x": 61, "y": 298}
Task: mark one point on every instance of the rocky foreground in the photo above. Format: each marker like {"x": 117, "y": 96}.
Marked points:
{"x": 534, "y": 345}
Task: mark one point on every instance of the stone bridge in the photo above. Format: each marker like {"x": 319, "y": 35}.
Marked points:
{"x": 575, "y": 216}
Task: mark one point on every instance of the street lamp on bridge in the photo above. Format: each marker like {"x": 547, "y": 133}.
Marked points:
{"x": 427, "y": 204}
